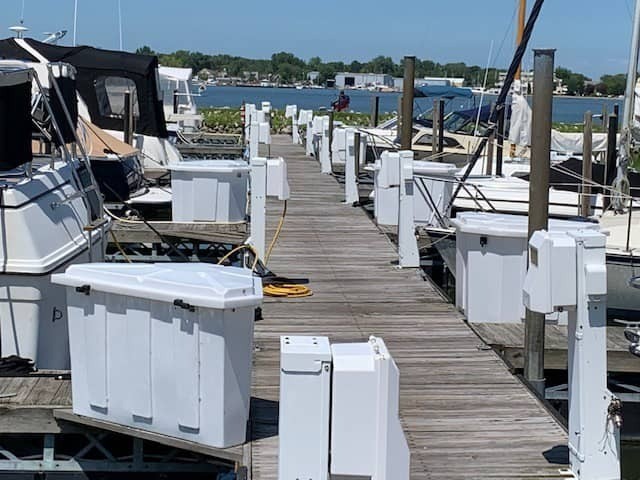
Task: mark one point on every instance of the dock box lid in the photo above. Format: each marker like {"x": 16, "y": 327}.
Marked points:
{"x": 421, "y": 167}
{"x": 196, "y": 284}
{"x": 358, "y": 357}
{"x": 303, "y": 353}
{"x": 511, "y": 226}
{"x": 211, "y": 166}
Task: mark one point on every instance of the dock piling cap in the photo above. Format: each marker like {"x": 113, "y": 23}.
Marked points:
{"x": 304, "y": 353}
{"x": 198, "y": 284}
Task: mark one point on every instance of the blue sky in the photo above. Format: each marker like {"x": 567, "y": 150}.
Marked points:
{"x": 591, "y": 36}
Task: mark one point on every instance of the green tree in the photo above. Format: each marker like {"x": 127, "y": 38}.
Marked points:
{"x": 614, "y": 84}
{"x": 314, "y": 63}
{"x": 382, "y": 64}
{"x": 145, "y": 50}
{"x": 575, "y": 82}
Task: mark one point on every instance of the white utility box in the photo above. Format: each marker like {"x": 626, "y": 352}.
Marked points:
{"x": 433, "y": 188}
{"x": 386, "y": 181}
{"x": 491, "y": 264}
{"x": 264, "y": 133}
{"x": 366, "y": 435}
{"x": 305, "y": 388}
{"x": 163, "y": 347}
{"x": 277, "y": 179}
{"x": 291, "y": 111}
{"x": 339, "y": 422}
{"x": 552, "y": 272}
{"x": 209, "y": 191}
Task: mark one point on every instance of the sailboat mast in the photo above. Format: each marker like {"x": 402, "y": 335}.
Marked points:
{"x": 632, "y": 73}
{"x": 521, "y": 19}
{"x": 75, "y": 22}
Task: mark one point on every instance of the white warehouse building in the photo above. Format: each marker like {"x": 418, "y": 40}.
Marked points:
{"x": 347, "y": 80}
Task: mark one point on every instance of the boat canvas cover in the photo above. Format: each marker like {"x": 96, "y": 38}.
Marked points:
{"x": 174, "y": 73}
{"x": 472, "y": 113}
{"x": 67, "y": 86}
{"x": 15, "y": 119}
{"x": 99, "y": 143}
{"x": 94, "y": 65}
{"x": 565, "y": 142}
{"x": 442, "y": 91}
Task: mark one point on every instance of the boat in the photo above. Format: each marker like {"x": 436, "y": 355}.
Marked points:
{"x": 116, "y": 165}
{"x": 51, "y": 213}
{"x": 510, "y": 195}
{"x": 180, "y": 110}
{"x": 103, "y": 77}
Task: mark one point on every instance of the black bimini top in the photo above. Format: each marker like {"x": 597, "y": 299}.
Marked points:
{"x": 102, "y": 77}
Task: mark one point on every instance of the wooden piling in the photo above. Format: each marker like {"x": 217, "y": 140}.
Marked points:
{"x": 435, "y": 128}
{"x": 587, "y": 152}
{"x": 500, "y": 142}
{"x": 375, "y": 109}
{"x": 539, "y": 203}
{"x": 407, "y": 102}
{"x": 128, "y": 118}
{"x": 611, "y": 156}
{"x": 440, "y": 130}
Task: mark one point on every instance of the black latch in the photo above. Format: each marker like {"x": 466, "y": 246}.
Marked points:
{"x": 483, "y": 241}
{"x": 86, "y": 289}
{"x": 182, "y": 304}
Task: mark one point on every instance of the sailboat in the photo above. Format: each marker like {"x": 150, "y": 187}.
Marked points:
{"x": 623, "y": 244}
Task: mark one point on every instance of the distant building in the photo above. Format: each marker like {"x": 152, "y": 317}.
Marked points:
{"x": 526, "y": 79}
{"x": 313, "y": 77}
{"x": 354, "y": 80}
{"x": 431, "y": 81}
{"x": 206, "y": 74}
{"x": 440, "y": 81}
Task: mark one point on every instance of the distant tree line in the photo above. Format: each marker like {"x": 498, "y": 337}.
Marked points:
{"x": 290, "y": 68}
{"x": 578, "y": 84}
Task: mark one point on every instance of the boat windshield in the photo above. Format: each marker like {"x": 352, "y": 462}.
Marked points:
{"x": 456, "y": 122}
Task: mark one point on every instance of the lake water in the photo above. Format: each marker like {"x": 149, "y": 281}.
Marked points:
{"x": 565, "y": 109}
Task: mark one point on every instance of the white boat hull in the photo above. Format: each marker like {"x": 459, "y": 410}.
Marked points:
{"x": 33, "y": 315}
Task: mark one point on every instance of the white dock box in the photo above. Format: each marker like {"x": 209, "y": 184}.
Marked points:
{"x": 434, "y": 187}
{"x": 491, "y": 264}
{"x": 209, "y": 191}
{"x": 163, "y": 347}
{"x": 367, "y": 440}
{"x": 386, "y": 181}
{"x": 305, "y": 386}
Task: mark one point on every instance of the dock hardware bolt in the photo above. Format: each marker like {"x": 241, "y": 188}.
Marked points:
{"x": 182, "y": 304}
{"x": 86, "y": 289}
{"x": 615, "y": 412}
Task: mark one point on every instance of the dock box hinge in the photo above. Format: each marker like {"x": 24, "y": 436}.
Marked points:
{"x": 182, "y": 304}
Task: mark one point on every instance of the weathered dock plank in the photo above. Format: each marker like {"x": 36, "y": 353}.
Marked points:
{"x": 464, "y": 414}
{"x": 139, "y": 232}
{"x": 508, "y": 339}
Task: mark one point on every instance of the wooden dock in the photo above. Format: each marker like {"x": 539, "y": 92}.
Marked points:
{"x": 508, "y": 339}
{"x": 465, "y": 416}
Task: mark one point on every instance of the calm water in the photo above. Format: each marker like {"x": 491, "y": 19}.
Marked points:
{"x": 565, "y": 109}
